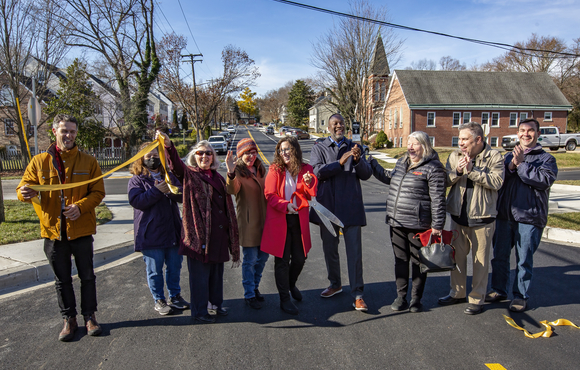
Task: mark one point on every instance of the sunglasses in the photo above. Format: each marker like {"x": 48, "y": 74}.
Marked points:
{"x": 209, "y": 153}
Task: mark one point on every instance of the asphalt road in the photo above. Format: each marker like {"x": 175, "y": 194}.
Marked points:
{"x": 327, "y": 333}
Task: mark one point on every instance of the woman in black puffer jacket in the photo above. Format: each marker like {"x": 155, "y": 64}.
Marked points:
{"x": 415, "y": 203}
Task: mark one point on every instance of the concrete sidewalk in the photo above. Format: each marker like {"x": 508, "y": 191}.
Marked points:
{"x": 24, "y": 264}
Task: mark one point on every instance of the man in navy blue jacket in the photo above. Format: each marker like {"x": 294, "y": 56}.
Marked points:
{"x": 522, "y": 214}
{"x": 339, "y": 166}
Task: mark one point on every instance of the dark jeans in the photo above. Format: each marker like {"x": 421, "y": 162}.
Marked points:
{"x": 59, "y": 255}
{"x": 288, "y": 268}
{"x": 206, "y": 284}
{"x": 406, "y": 249}
{"x": 353, "y": 246}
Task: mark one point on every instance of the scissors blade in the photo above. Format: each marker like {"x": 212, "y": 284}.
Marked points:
{"x": 326, "y": 222}
{"x": 325, "y": 213}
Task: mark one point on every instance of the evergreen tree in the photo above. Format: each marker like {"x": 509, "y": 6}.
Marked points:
{"x": 76, "y": 97}
{"x": 300, "y": 99}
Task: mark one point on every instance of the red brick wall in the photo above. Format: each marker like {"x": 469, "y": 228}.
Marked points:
{"x": 444, "y": 130}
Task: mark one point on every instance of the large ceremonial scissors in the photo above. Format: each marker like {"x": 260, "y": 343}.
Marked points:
{"x": 328, "y": 218}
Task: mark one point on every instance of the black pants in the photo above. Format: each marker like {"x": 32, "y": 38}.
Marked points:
{"x": 58, "y": 253}
{"x": 206, "y": 284}
{"x": 407, "y": 249}
{"x": 288, "y": 268}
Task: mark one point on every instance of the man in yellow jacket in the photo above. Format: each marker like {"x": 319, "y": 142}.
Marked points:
{"x": 67, "y": 220}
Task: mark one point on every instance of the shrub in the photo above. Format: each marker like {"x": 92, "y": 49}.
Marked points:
{"x": 381, "y": 139}
{"x": 182, "y": 149}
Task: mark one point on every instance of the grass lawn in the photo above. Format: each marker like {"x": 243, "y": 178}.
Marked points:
{"x": 22, "y": 224}
{"x": 565, "y": 220}
{"x": 568, "y": 182}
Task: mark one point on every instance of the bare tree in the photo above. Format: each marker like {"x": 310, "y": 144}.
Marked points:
{"x": 448, "y": 63}
{"x": 239, "y": 71}
{"x": 273, "y": 103}
{"x": 423, "y": 65}
{"x": 344, "y": 54}
{"x": 541, "y": 54}
{"x": 121, "y": 33}
{"x": 30, "y": 46}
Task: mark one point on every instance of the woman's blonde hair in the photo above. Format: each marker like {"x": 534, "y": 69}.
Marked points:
{"x": 423, "y": 139}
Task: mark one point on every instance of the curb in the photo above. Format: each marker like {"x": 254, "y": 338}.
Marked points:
{"x": 16, "y": 278}
{"x": 554, "y": 234}
{"x": 563, "y": 187}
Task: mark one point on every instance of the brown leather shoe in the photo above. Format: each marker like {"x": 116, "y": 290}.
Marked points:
{"x": 93, "y": 327}
{"x": 68, "y": 331}
{"x": 360, "y": 305}
{"x": 330, "y": 291}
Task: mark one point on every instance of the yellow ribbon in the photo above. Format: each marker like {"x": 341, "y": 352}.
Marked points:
{"x": 159, "y": 144}
{"x": 548, "y": 325}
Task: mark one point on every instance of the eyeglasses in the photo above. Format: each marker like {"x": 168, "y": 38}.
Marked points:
{"x": 288, "y": 150}
{"x": 209, "y": 153}
{"x": 253, "y": 152}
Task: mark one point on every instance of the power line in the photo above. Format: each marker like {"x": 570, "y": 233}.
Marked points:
{"x": 398, "y": 26}
{"x": 189, "y": 28}
{"x": 206, "y": 67}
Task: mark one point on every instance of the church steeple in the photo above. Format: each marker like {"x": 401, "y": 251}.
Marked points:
{"x": 379, "y": 64}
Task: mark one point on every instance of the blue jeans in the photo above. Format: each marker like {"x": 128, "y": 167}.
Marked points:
{"x": 526, "y": 238}
{"x": 154, "y": 260}
{"x": 252, "y": 267}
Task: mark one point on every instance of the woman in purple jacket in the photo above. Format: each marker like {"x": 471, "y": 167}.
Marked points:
{"x": 157, "y": 229}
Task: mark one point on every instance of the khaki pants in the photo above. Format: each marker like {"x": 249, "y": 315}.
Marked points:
{"x": 478, "y": 240}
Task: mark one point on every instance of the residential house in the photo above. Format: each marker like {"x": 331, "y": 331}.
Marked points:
{"x": 109, "y": 112}
{"x": 9, "y": 118}
{"x": 320, "y": 113}
{"x": 437, "y": 102}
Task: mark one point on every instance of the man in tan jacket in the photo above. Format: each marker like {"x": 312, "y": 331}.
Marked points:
{"x": 67, "y": 220}
{"x": 475, "y": 173}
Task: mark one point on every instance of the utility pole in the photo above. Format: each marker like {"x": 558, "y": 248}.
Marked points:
{"x": 192, "y": 61}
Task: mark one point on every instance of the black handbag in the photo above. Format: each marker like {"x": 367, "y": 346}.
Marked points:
{"x": 437, "y": 257}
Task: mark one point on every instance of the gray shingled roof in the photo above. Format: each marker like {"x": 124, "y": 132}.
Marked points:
{"x": 480, "y": 88}
{"x": 379, "y": 64}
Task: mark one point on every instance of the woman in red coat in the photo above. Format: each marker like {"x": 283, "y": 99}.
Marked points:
{"x": 289, "y": 185}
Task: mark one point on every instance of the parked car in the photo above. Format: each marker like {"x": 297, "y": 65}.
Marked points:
{"x": 365, "y": 149}
{"x": 550, "y": 137}
{"x": 284, "y": 129}
{"x": 298, "y": 133}
{"x": 219, "y": 143}
{"x": 270, "y": 130}
{"x": 227, "y": 135}
{"x": 231, "y": 130}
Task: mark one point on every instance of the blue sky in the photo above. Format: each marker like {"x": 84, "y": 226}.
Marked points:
{"x": 280, "y": 37}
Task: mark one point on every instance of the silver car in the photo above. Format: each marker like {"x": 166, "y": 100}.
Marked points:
{"x": 219, "y": 143}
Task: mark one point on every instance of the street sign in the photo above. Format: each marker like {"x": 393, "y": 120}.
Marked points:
{"x": 356, "y": 132}
{"x": 31, "y": 114}
{"x": 485, "y": 128}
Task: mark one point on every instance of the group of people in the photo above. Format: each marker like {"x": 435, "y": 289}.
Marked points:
{"x": 495, "y": 203}
{"x": 490, "y": 195}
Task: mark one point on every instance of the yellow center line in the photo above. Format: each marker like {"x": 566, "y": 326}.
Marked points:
{"x": 495, "y": 367}
{"x": 259, "y": 151}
